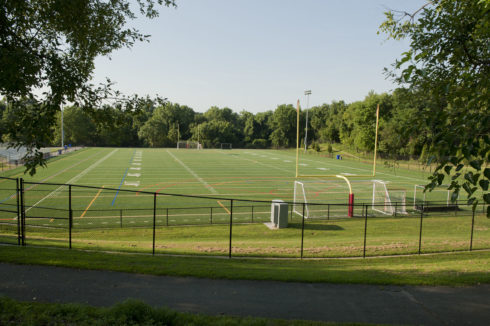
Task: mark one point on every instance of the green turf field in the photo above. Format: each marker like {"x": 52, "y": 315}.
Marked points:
{"x": 118, "y": 212}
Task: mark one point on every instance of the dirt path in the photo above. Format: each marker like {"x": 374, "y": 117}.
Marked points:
{"x": 310, "y": 301}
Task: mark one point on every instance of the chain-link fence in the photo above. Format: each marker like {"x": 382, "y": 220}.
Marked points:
{"x": 99, "y": 218}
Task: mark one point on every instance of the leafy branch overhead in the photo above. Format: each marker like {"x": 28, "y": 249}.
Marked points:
{"x": 47, "y": 53}
{"x": 449, "y": 61}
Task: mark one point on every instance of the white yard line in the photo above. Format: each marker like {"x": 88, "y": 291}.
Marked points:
{"x": 267, "y": 165}
{"x": 194, "y": 174}
{"x": 358, "y": 169}
{"x": 74, "y": 179}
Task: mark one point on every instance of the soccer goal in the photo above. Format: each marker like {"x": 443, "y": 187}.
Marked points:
{"x": 388, "y": 201}
{"x": 439, "y": 199}
{"x": 331, "y": 197}
{"x": 188, "y": 144}
{"x": 225, "y": 145}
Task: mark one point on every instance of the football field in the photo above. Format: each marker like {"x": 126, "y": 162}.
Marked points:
{"x": 119, "y": 195}
{"x": 125, "y": 179}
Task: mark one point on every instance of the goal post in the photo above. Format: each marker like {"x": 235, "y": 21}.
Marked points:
{"x": 439, "y": 199}
{"x": 388, "y": 201}
{"x": 328, "y": 197}
{"x": 299, "y": 173}
{"x": 334, "y": 197}
{"x": 226, "y": 146}
{"x": 188, "y": 144}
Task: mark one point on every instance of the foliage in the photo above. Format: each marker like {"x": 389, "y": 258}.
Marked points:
{"x": 47, "y": 54}
{"x": 129, "y": 312}
{"x": 448, "y": 60}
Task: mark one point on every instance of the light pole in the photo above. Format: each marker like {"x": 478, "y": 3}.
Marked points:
{"x": 62, "y": 129}
{"x": 307, "y": 93}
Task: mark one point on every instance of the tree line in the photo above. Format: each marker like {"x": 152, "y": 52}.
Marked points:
{"x": 162, "y": 125}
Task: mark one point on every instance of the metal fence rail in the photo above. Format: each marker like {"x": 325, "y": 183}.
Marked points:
{"x": 67, "y": 215}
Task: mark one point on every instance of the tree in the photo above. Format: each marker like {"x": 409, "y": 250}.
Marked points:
{"x": 79, "y": 128}
{"x": 284, "y": 126}
{"x": 49, "y": 48}
{"x": 449, "y": 60}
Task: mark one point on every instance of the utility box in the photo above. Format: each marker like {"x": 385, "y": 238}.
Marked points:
{"x": 279, "y": 214}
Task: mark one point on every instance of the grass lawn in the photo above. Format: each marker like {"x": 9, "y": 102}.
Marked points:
{"x": 130, "y": 312}
{"x": 461, "y": 268}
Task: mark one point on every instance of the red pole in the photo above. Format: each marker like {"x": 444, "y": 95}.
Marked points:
{"x": 351, "y": 205}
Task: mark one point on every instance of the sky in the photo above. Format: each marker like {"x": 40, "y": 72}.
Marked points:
{"x": 254, "y": 55}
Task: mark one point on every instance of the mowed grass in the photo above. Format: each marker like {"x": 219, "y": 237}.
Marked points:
{"x": 119, "y": 213}
{"x": 461, "y": 268}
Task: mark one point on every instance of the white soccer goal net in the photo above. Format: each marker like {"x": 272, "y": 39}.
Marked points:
{"x": 225, "y": 145}
{"x": 388, "y": 201}
{"x": 329, "y": 198}
{"x": 188, "y": 144}
{"x": 438, "y": 198}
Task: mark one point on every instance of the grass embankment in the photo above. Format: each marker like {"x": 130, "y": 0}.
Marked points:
{"x": 466, "y": 268}
{"x": 130, "y": 312}
{"x": 322, "y": 239}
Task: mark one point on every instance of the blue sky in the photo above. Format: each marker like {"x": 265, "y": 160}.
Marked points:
{"x": 254, "y": 55}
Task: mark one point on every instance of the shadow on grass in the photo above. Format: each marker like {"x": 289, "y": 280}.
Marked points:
{"x": 314, "y": 226}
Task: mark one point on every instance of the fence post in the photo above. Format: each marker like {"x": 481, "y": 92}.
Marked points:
{"x": 120, "y": 217}
{"x": 154, "y": 218}
{"x": 364, "y": 210}
{"x": 231, "y": 225}
{"x": 167, "y": 216}
{"x": 211, "y": 216}
{"x": 420, "y": 233}
{"x": 252, "y": 212}
{"x": 302, "y": 230}
{"x": 472, "y": 227}
{"x": 18, "y": 210}
{"x": 70, "y": 214}
{"x": 328, "y": 211}
{"x": 396, "y": 207}
{"x": 22, "y": 213}
{"x": 291, "y": 213}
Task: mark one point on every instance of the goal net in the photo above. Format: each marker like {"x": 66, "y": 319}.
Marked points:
{"x": 388, "y": 201}
{"x": 188, "y": 144}
{"x": 329, "y": 198}
{"x": 225, "y": 145}
{"x": 439, "y": 199}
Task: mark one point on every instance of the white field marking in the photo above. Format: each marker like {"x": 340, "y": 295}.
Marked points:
{"x": 136, "y": 163}
{"x": 132, "y": 183}
{"x": 134, "y": 174}
{"x": 348, "y": 174}
{"x": 131, "y": 168}
{"x": 74, "y": 179}
{"x": 193, "y": 173}
{"x": 303, "y": 164}
{"x": 323, "y": 169}
{"x": 269, "y": 166}
{"x": 60, "y": 172}
{"x": 131, "y": 222}
{"x": 275, "y": 158}
{"x": 365, "y": 170}
{"x": 287, "y": 161}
